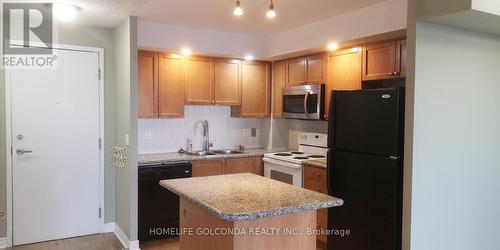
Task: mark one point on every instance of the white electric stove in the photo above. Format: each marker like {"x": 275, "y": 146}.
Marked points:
{"x": 287, "y": 166}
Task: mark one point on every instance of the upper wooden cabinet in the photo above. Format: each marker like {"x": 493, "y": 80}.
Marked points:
{"x": 161, "y": 85}
{"x": 306, "y": 70}
{"x": 148, "y": 84}
{"x": 296, "y": 71}
{"x": 315, "y": 69}
{"x": 384, "y": 60}
{"x": 199, "y": 80}
{"x": 170, "y": 86}
{"x": 227, "y": 81}
{"x": 401, "y": 57}
{"x": 344, "y": 72}
{"x": 279, "y": 81}
{"x": 255, "y": 95}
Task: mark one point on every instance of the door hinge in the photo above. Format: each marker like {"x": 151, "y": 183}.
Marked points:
{"x": 11, "y": 150}
{"x": 99, "y": 74}
{"x": 100, "y": 143}
{"x": 100, "y": 212}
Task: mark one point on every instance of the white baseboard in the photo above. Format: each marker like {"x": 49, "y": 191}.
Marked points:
{"x": 130, "y": 245}
{"x": 109, "y": 228}
{"x": 3, "y": 243}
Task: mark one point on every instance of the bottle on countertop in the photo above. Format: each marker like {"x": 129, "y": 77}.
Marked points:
{"x": 189, "y": 145}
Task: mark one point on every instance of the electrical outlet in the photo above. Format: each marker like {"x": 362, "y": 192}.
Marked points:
{"x": 127, "y": 140}
{"x": 253, "y": 132}
{"x": 147, "y": 134}
{"x": 246, "y": 132}
{"x": 2, "y": 216}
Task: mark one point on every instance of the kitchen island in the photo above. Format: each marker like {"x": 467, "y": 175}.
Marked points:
{"x": 246, "y": 211}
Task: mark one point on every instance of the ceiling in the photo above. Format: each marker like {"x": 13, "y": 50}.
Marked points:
{"x": 216, "y": 14}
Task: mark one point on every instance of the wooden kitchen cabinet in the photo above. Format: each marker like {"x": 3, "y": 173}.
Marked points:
{"x": 315, "y": 69}
{"x": 199, "y": 80}
{"x": 148, "y": 84}
{"x": 401, "y": 58}
{"x": 306, "y": 70}
{"x": 279, "y": 81}
{"x": 227, "y": 81}
{"x": 344, "y": 73}
{"x": 239, "y": 165}
{"x": 382, "y": 61}
{"x": 228, "y": 166}
{"x": 170, "y": 86}
{"x": 206, "y": 168}
{"x": 315, "y": 179}
{"x": 256, "y": 88}
{"x": 296, "y": 71}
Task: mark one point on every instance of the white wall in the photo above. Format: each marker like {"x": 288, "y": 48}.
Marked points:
{"x": 372, "y": 20}
{"x": 456, "y": 140}
{"x": 169, "y": 135}
{"x": 202, "y": 41}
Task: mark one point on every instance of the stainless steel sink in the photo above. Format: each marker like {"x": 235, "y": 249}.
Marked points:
{"x": 227, "y": 152}
{"x": 201, "y": 153}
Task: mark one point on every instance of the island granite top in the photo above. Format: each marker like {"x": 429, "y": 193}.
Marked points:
{"x": 241, "y": 197}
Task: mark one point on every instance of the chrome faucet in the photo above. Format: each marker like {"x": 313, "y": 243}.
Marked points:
{"x": 206, "y": 136}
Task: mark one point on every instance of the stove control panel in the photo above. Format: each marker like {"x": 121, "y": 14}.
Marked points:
{"x": 313, "y": 139}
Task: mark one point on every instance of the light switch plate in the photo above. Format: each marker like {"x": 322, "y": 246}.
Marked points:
{"x": 246, "y": 132}
{"x": 127, "y": 140}
{"x": 253, "y": 132}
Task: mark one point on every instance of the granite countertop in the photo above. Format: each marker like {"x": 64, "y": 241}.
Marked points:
{"x": 174, "y": 156}
{"x": 241, "y": 197}
{"x": 320, "y": 163}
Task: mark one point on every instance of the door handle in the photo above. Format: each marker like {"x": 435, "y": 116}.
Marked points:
{"x": 305, "y": 103}
{"x": 21, "y": 151}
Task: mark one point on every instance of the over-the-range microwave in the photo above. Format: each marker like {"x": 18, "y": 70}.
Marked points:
{"x": 305, "y": 102}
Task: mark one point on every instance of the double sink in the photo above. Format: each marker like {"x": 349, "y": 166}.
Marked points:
{"x": 215, "y": 152}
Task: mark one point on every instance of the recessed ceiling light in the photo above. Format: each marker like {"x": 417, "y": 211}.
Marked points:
{"x": 271, "y": 13}
{"x": 65, "y": 12}
{"x": 332, "y": 46}
{"x": 238, "y": 11}
{"x": 186, "y": 51}
{"x": 249, "y": 57}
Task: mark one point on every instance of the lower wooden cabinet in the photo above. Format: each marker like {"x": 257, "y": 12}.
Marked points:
{"x": 228, "y": 166}
{"x": 315, "y": 179}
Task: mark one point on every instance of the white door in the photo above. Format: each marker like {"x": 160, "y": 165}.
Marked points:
{"x": 56, "y": 120}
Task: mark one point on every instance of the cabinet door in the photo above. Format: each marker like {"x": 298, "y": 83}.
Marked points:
{"x": 315, "y": 69}
{"x": 296, "y": 71}
{"x": 171, "y": 86}
{"x": 227, "y": 81}
{"x": 255, "y": 95}
{"x": 344, "y": 73}
{"x": 279, "y": 81}
{"x": 148, "y": 84}
{"x": 401, "y": 58}
{"x": 239, "y": 165}
{"x": 259, "y": 166}
{"x": 379, "y": 61}
{"x": 199, "y": 80}
{"x": 206, "y": 168}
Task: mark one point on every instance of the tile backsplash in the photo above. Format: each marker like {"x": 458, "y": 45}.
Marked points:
{"x": 169, "y": 135}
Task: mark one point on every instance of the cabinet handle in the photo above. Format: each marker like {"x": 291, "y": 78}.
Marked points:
{"x": 317, "y": 174}
{"x": 318, "y": 189}
{"x": 184, "y": 212}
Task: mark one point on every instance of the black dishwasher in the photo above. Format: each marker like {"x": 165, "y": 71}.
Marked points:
{"x": 158, "y": 207}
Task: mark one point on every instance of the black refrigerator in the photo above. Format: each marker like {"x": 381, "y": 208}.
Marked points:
{"x": 365, "y": 169}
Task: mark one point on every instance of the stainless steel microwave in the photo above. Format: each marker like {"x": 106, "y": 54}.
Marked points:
{"x": 305, "y": 102}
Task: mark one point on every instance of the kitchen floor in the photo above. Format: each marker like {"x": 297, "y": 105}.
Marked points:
{"x": 107, "y": 241}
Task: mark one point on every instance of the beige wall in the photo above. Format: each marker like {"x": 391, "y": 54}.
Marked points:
{"x": 456, "y": 139}
{"x": 126, "y": 124}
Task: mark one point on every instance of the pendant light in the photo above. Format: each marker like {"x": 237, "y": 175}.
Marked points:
{"x": 271, "y": 13}
{"x": 238, "y": 11}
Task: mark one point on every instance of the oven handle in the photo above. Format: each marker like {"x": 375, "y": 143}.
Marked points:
{"x": 305, "y": 103}
{"x": 282, "y": 163}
